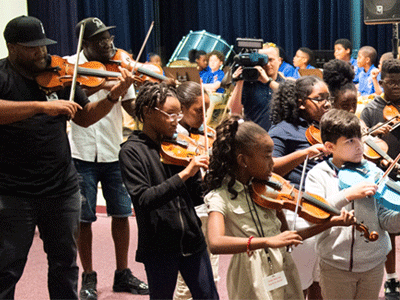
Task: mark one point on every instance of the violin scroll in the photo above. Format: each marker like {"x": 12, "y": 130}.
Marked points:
{"x": 369, "y": 236}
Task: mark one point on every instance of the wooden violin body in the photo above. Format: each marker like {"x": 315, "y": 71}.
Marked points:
{"x": 179, "y": 150}
{"x": 311, "y": 208}
{"x": 60, "y": 74}
{"x": 390, "y": 112}
{"x": 313, "y": 135}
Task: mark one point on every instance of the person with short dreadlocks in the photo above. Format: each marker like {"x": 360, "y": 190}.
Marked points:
{"x": 164, "y": 196}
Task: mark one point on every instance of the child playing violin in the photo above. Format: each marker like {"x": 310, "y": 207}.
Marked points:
{"x": 190, "y": 96}
{"x": 372, "y": 115}
{"x": 164, "y": 196}
{"x": 294, "y": 107}
{"x": 256, "y": 236}
{"x": 350, "y": 268}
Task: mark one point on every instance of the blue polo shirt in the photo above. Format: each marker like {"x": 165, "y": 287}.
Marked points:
{"x": 287, "y": 69}
{"x": 212, "y": 77}
{"x": 289, "y": 138}
{"x": 204, "y": 73}
{"x": 296, "y": 74}
{"x": 365, "y": 84}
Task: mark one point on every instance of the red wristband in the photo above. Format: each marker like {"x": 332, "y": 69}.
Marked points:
{"x": 249, "y": 253}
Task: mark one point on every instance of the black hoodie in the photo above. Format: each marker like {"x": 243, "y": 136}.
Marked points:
{"x": 163, "y": 203}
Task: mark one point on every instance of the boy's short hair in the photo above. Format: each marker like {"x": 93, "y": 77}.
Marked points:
{"x": 309, "y": 52}
{"x": 390, "y": 66}
{"x": 370, "y": 52}
{"x": 337, "y": 123}
{"x": 218, "y": 54}
{"x": 345, "y": 43}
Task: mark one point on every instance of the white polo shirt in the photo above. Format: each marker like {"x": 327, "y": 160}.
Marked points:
{"x": 103, "y": 138}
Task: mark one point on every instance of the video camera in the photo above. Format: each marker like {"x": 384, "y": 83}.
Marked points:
{"x": 248, "y": 58}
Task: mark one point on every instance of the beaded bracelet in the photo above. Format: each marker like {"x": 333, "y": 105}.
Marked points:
{"x": 249, "y": 253}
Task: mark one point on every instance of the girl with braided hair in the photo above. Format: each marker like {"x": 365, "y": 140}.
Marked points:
{"x": 257, "y": 236}
{"x": 295, "y": 106}
{"x": 170, "y": 238}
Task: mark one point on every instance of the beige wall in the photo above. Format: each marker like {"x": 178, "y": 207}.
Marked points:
{"x": 9, "y": 9}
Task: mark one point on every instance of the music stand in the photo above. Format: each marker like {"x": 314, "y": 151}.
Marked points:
{"x": 183, "y": 74}
{"x": 311, "y": 72}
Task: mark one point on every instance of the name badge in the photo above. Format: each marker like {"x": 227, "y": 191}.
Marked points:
{"x": 275, "y": 281}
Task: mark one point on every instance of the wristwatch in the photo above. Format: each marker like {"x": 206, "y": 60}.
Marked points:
{"x": 269, "y": 81}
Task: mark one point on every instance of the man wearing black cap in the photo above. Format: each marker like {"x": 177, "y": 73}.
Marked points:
{"x": 38, "y": 182}
{"x": 95, "y": 154}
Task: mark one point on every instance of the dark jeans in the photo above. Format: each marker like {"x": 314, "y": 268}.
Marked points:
{"x": 58, "y": 223}
{"x": 162, "y": 273}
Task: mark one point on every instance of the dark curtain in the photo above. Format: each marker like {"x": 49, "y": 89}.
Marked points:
{"x": 289, "y": 23}
{"x": 292, "y": 24}
{"x": 132, "y": 19}
{"x": 59, "y": 18}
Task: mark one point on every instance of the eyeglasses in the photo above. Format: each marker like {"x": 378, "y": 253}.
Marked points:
{"x": 321, "y": 99}
{"x": 392, "y": 82}
{"x": 171, "y": 117}
{"x": 103, "y": 41}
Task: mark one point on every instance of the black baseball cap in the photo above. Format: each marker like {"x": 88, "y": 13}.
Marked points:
{"x": 27, "y": 31}
{"x": 93, "y": 26}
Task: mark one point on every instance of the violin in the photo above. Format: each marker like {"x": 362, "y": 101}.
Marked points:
{"x": 312, "y": 208}
{"x": 200, "y": 139}
{"x": 313, "y": 135}
{"x": 180, "y": 149}
{"x": 388, "y": 192}
{"x": 60, "y": 74}
{"x": 143, "y": 71}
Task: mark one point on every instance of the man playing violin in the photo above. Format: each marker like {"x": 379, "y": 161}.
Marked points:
{"x": 373, "y": 114}
{"x": 95, "y": 155}
{"x": 38, "y": 182}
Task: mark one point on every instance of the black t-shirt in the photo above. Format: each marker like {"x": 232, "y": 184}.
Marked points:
{"x": 372, "y": 114}
{"x": 35, "y": 156}
{"x": 256, "y": 98}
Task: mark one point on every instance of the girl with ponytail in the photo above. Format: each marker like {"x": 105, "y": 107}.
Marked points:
{"x": 257, "y": 236}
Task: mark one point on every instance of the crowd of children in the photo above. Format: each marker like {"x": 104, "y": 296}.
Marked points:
{"x": 276, "y": 254}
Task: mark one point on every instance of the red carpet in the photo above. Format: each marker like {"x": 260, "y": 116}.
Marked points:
{"x": 33, "y": 282}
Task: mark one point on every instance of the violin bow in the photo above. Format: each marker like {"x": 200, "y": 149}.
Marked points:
{"x": 299, "y": 197}
{"x": 204, "y": 118}
{"x": 78, "y": 51}
{"x": 389, "y": 169}
{"x": 142, "y": 48}
{"x": 370, "y": 131}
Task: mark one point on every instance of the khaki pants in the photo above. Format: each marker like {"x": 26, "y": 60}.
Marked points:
{"x": 339, "y": 284}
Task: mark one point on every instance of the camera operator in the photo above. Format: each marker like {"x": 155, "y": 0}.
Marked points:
{"x": 254, "y": 96}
